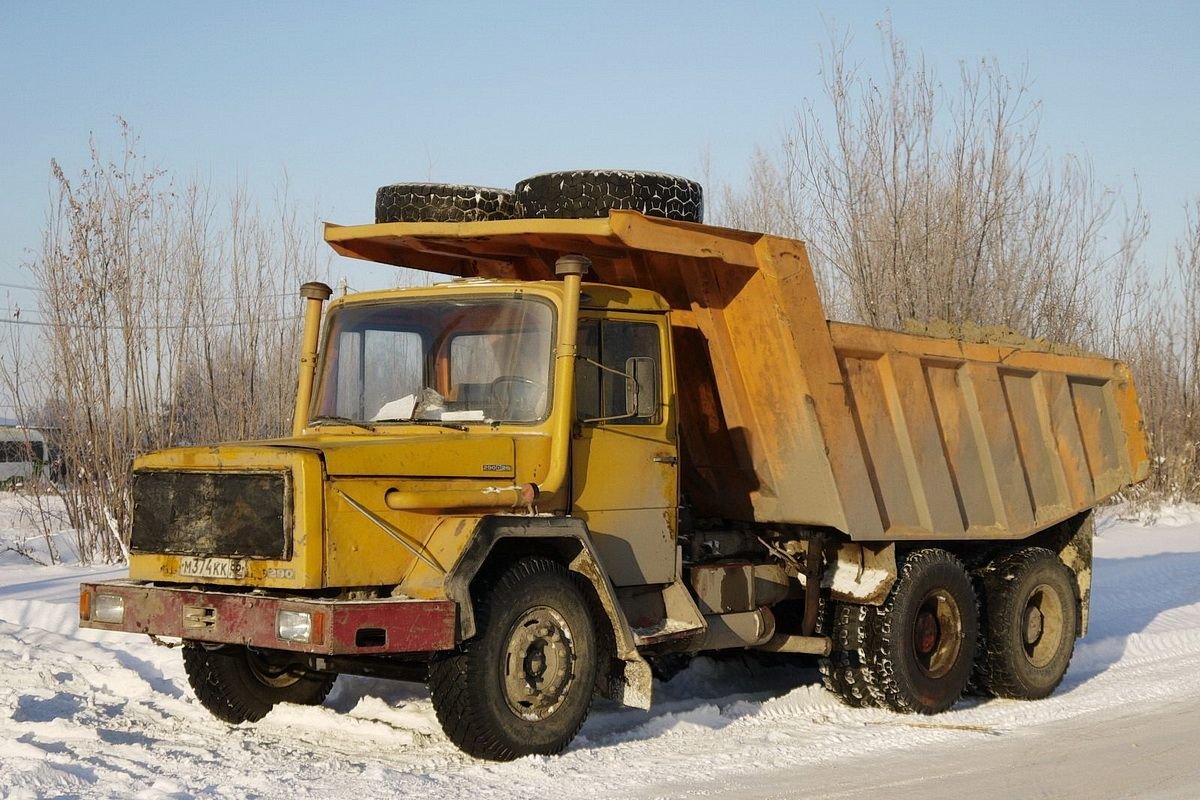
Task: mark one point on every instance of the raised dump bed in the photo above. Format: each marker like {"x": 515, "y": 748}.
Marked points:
{"x": 788, "y": 418}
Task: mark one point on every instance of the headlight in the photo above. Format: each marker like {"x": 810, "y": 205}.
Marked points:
{"x": 298, "y": 626}
{"x": 109, "y": 608}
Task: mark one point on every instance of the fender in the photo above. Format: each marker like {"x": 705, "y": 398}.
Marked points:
{"x": 569, "y": 539}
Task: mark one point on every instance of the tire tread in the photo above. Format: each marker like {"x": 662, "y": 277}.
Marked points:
{"x": 883, "y": 646}
{"x": 995, "y": 672}
{"x": 457, "y": 680}
{"x": 582, "y": 194}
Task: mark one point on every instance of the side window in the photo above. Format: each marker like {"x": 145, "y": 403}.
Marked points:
{"x": 602, "y": 393}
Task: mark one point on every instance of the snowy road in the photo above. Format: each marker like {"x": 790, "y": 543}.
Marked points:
{"x": 87, "y": 714}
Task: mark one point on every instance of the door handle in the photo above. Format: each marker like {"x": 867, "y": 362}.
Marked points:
{"x": 666, "y": 459}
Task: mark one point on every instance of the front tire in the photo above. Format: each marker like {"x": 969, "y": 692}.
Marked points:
{"x": 238, "y": 685}
{"x": 524, "y": 684}
{"x": 1029, "y": 625}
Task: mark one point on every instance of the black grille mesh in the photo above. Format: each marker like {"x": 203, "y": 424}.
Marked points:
{"x": 212, "y": 514}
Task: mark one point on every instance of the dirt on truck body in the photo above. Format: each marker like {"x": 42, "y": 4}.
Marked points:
{"x": 618, "y": 438}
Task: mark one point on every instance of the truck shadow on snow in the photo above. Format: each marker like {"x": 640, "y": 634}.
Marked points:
{"x": 1128, "y": 594}
{"x": 711, "y": 693}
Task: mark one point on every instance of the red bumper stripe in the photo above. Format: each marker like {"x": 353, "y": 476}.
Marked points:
{"x": 350, "y": 626}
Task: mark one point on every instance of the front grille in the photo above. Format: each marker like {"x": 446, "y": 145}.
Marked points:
{"x": 212, "y": 514}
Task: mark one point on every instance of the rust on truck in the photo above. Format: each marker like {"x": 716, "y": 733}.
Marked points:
{"x": 794, "y": 419}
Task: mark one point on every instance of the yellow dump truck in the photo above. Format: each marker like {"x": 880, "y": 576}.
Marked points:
{"x": 614, "y": 438}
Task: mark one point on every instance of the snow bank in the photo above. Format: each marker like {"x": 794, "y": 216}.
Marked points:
{"x": 89, "y": 714}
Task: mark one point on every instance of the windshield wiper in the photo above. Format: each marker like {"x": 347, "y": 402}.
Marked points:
{"x": 341, "y": 421}
{"x": 454, "y": 426}
{"x": 451, "y": 425}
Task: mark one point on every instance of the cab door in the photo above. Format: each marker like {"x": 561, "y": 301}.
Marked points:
{"x": 625, "y": 464}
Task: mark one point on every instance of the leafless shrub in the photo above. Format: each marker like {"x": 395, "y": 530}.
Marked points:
{"x": 22, "y": 377}
{"x": 1163, "y": 350}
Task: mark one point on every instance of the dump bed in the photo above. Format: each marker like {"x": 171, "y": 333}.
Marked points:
{"x": 788, "y": 418}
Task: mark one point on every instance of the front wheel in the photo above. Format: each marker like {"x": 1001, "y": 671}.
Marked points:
{"x": 237, "y": 684}
{"x": 524, "y": 684}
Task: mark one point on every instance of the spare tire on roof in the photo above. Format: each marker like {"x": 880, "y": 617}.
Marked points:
{"x": 442, "y": 202}
{"x": 579, "y": 194}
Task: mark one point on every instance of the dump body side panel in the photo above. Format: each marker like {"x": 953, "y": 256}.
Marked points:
{"x": 978, "y": 440}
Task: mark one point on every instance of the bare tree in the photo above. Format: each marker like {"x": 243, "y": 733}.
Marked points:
{"x": 1165, "y": 355}
{"x": 925, "y": 202}
{"x": 173, "y": 319}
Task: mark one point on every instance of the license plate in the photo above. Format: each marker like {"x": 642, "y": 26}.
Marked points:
{"x": 230, "y": 568}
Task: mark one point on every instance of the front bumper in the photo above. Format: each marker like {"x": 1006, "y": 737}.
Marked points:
{"x": 347, "y": 627}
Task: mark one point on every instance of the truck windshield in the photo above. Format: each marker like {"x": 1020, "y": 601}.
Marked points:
{"x": 455, "y": 361}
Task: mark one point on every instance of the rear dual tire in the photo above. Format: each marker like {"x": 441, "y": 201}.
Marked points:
{"x": 915, "y": 653}
{"x": 1030, "y": 621}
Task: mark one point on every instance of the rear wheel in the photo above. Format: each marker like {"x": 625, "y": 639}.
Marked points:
{"x": 920, "y": 645}
{"x": 238, "y": 684}
{"x": 524, "y": 684}
{"x": 844, "y": 671}
{"x": 1029, "y": 625}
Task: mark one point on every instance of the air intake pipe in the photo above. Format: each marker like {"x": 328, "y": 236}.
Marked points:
{"x": 315, "y": 295}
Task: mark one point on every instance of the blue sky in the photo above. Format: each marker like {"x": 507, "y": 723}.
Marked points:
{"x": 343, "y": 97}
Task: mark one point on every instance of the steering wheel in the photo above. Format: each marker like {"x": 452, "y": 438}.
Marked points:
{"x": 515, "y": 397}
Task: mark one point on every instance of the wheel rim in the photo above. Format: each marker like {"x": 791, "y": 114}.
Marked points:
{"x": 1041, "y": 625}
{"x": 937, "y": 634}
{"x": 538, "y": 664}
{"x": 268, "y": 674}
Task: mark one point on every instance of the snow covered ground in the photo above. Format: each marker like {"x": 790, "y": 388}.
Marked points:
{"x": 90, "y": 714}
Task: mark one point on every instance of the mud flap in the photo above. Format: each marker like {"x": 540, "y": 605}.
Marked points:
{"x": 861, "y": 573}
{"x": 1075, "y": 550}
{"x": 633, "y": 687}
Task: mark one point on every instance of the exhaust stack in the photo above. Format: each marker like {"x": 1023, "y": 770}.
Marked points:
{"x": 315, "y": 294}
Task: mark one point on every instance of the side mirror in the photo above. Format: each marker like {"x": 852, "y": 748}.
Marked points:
{"x": 641, "y": 387}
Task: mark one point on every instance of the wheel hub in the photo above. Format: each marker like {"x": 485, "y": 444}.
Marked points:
{"x": 1042, "y": 625}
{"x": 269, "y": 674}
{"x": 538, "y": 663}
{"x": 927, "y": 632}
{"x": 937, "y": 634}
{"x": 1034, "y": 624}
